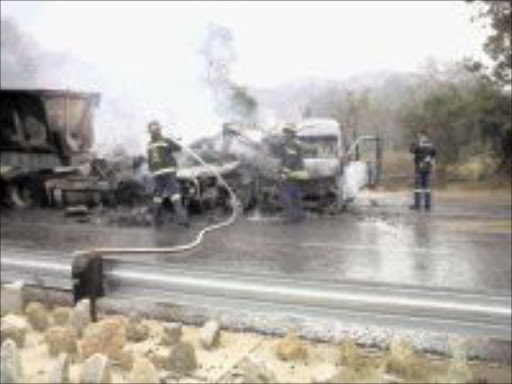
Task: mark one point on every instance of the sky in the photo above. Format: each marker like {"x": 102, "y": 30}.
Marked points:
{"x": 145, "y": 54}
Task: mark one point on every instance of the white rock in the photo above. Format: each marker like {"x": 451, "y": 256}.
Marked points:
{"x": 326, "y": 373}
{"x": 14, "y": 327}
{"x": 81, "y": 316}
{"x": 143, "y": 371}
{"x": 10, "y": 364}
{"x": 59, "y": 371}
{"x": 96, "y": 369}
{"x": 11, "y": 298}
{"x": 172, "y": 334}
{"x": 210, "y": 334}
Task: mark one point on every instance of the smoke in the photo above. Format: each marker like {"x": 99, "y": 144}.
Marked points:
{"x": 183, "y": 94}
{"x": 18, "y": 60}
{"x": 232, "y": 101}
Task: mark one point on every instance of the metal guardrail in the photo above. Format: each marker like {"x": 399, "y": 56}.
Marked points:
{"x": 480, "y": 314}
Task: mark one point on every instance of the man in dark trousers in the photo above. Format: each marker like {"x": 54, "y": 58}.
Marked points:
{"x": 424, "y": 161}
{"x": 292, "y": 172}
{"x": 163, "y": 167}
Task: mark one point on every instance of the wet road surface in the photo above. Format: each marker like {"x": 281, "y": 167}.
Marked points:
{"x": 463, "y": 243}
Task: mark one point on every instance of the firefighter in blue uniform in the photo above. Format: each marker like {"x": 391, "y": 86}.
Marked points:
{"x": 424, "y": 161}
{"x": 163, "y": 167}
{"x": 292, "y": 173}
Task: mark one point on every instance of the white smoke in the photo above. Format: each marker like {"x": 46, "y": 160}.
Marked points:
{"x": 144, "y": 88}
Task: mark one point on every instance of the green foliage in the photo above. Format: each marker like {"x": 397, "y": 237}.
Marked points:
{"x": 498, "y": 44}
{"x": 464, "y": 116}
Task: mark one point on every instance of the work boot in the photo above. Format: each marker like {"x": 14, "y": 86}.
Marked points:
{"x": 427, "y": 201}
{"x": 157, "y": 215}
{"x": 182, "y": 214}
{"x": 417, "y": 201}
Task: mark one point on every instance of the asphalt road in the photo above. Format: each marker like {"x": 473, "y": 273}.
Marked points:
{"x": 464, "y": 243}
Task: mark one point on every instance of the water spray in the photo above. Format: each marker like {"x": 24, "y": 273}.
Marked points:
{"x": 235, "y": 207}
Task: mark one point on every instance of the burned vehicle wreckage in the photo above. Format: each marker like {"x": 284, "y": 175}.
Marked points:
{"x": 46, "y": 159}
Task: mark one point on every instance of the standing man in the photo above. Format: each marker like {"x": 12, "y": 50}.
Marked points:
{"x": 424, "y": 161}
{"x": 163, "y": 167}
{"x": 292, "y": 172}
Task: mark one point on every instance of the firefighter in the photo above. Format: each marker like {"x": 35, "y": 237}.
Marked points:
{"x": 424, "y": 161}
{"x": 163, "y": 167}
{"x": 292, "y": 172}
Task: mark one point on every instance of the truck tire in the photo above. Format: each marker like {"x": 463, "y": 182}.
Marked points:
{"x": 24, "y": 193}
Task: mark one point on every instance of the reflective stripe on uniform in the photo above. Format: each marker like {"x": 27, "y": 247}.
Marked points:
{"x": 5, "y": 169}
{"x": 157, "y": 144}
{"x": 164, "y": 171}
{"x": 157, "y": 199}
{"x": 422, "y": 190}
{"x": 298, "y": 175}
{"x": 175, "y": 197}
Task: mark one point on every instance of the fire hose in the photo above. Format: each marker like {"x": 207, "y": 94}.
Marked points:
{"x": 235, "y": 207}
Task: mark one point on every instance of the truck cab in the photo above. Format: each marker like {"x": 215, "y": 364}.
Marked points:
{"x": 337, "y": 171}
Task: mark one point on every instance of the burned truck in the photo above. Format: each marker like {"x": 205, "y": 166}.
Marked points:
{"x": 43, "y": 134}
{"x": 46, "y": 138}
{"x": 337, "y": 170}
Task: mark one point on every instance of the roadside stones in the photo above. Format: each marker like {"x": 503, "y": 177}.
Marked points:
{"x": 291, "y": 348}
{"x": 159, "y": 356}
{"x": 62, "y": 315}
{"x": 326, "y": 373}
{"x": 11, "y": 298}
{"x": 256, "y": 372}
{"x": 172, "y": 333}
{"x": 96, "y": 369}
{"x": 37, "y": 315}
{"x": 210, "y": 334}
{"x": 136, "y": 331}
{"x": 126, "y": 359}
{"x": 143, "y": 371}
{"x": 10, "y": 364}
{"x": 81, "y": 316}
{"x": 106, "y": 336}
{"x": 182, "y": 358}
{"x": 14, "y": 327}
{"x": 349, "y": 353}
{"x": 59, "y": 371}
{"x": 61, "y": 339}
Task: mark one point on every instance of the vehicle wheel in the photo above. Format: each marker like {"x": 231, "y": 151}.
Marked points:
{"x": 24, "y": 194}
{"x": 245, "y": 194}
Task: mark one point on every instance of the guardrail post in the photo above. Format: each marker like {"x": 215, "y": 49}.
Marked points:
{"x": 87, "y": 275}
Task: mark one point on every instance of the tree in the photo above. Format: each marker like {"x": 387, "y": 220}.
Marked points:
{"x": 498, "y": 44}
{"x": 465, "y": 112}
